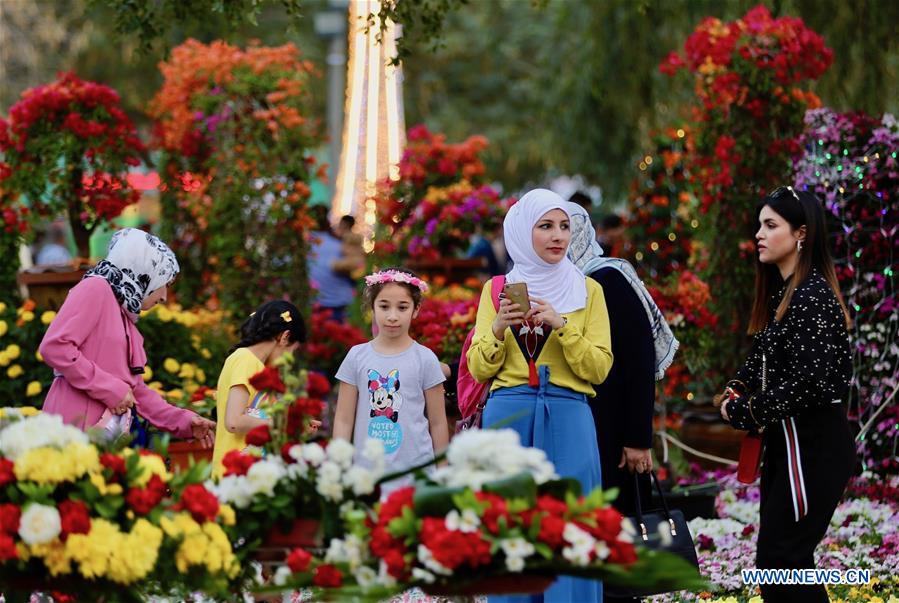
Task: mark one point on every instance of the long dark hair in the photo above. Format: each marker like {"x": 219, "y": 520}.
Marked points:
{"x": 799, "y": 208}
{"x": 270, "y": 320}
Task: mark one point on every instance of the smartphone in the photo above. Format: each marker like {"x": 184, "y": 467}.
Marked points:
{"x": 517, "y": 293}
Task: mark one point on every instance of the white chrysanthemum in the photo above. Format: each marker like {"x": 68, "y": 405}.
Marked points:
{"x": 313, "y": 454}
{"x": 602, "y": 550}
{"x": 517, "y": 547}
{"x": 467, "y": 521}
{"x": 341, "y": 452}
{"x": 365, "y": 576}
{"x": 427, "y": 559}
{"x": 373, "y": 451}
{"x": 39, "y": 524}
{"x": 264, "y": 475}
{"x": 361, "y": 480}
{"x": 297, "y": 471}
{"x": 515, "y": 564}
{"x": 36, "y": 432}
{"x": 578, "y": 538}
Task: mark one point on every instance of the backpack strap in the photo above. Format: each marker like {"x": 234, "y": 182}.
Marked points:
{"x": 496, "y": 287}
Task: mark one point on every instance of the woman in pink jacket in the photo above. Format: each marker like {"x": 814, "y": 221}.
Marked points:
{"x": 97, "y": 353}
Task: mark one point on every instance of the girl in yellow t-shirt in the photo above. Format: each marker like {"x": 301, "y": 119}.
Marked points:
{"x": 274, "y": 328}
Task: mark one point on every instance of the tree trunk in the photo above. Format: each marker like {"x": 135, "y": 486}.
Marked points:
{"x": 80, "y": 231}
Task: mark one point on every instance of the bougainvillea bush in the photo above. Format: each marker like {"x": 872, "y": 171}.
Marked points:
{"x": 751, "y": 79}
{"x": 237, "y": 139}
{"x": 850, "y": 162}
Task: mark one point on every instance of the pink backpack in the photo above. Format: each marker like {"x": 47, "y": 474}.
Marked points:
{"x": 471, "y": 394}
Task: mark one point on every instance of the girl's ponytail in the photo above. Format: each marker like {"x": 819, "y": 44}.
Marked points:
{"x": 270, "y": 320}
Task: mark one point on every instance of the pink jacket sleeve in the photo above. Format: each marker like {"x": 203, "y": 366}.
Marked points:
{"x": 160, "y": 413}
{"x": 61, "y": 349}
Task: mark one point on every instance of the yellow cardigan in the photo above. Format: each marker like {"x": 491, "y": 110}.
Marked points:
{"x": 578, "y": 355}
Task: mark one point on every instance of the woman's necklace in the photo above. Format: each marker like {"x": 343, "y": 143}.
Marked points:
{"x": 525, "y": 333}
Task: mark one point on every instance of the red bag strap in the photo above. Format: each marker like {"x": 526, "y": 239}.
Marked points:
{"x": 496, "y": 287}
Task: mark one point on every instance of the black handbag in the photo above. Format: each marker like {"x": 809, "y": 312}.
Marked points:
{"x": 472, "y": 421}
{"x": 647, "y": 527}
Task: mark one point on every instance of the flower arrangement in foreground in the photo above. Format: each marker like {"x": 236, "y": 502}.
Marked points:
{"x": 92, "y": 522}
{"x": 496, "y": 510}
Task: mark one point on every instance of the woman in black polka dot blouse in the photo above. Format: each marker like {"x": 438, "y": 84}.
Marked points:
{"x": 792, "y": 385}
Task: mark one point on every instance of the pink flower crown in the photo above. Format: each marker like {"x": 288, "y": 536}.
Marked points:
{"x": 395, "y": 276}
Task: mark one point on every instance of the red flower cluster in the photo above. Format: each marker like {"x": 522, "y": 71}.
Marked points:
{"x": 7, "y": 472}
{"x": 317, "y": 385}
{"x": 9, "y": 526}
{"x": 237, "y": 463}
{"x": 327, "y": 576}
{"x": 143, "y": 500}
{"x": 299, "y": 560}
{"x": 74, "y": 518}
{"x": 383, "y": 544}
{"x": 299, "y": 411}
{"x": 452, "y": 548}
{"x": 199, "y": 502}
{"x": 268, "y": 379}
{"x": 496, "y": 508}
{"x": 259, "y": 436}
{"x": 442, "y": 326}
{"x": 329, "y": 341}
{"x": 428, "y": 157}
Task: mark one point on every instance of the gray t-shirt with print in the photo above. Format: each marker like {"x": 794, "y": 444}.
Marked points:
{"x": 391, "y": 402}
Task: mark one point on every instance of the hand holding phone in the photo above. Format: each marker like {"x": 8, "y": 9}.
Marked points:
{"x": 517, "y": 293}
{"x": 512, "y": 308}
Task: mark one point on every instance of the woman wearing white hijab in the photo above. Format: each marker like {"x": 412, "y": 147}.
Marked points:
{"x": 544, "y": 361}
{"x": 97, "y": 353}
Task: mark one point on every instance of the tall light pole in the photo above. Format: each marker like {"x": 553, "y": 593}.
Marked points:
{"x": 332, "y": 25}
{"x": 374, "y": 127}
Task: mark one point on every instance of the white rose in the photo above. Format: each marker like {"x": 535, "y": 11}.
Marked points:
{"x": 341, "y": 452}
{"x": 330, "y": 489}
{"x": 330, "y": 472}
{"x": 264, "y": 475}
{"x": 281, "y": 575}
{"x": 37, "y": 432}
{"x": 39, "y": 524}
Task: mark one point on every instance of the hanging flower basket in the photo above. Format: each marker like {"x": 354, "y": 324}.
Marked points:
{"x": 502, "y": 584}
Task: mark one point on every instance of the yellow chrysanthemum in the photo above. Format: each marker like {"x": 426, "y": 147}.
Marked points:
{"x": 171, "y": 365}
{"x": 164, "y": 314}
{"x": 38, "y": 356}
{"x": 15, "y": 371}
{"x": 104, "y": 488}
{"x": 205, "y": 353}
{"x": 33, "y": 388}
{"x": 187, "y": 371}
{"x": 227, "y": 515}
{"x": 2, "y": 307}
{"x": 150, "y": 464}
{"x": 54, "y": 555}
{"x": 3, "y": 328}
{"x": 137, "y": 558}
{"x": 175, "y": 394}
{"x": 13, "y": 351}
{"x": 51, "y": 466}
{"x": 148, "y": 374}
{"x": 4, "y": 358}
{"x": 48, "y": 316}
{"x": 95, "y": 551}
{"x": 27, "y": 316}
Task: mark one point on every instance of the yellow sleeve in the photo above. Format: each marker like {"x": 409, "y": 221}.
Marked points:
{"x": 589, "y": 351}
{"x": 486, "y": 354}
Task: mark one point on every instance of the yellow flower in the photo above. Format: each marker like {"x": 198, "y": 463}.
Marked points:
{"x": 33, "y": 388}
{"x": 156, "y": 386}
{"x": 201, "y": 375}
{"x": 148, "y": 374}
{"x": 187, "y": 371}
{"x": 104, "y": 488}
{"x": 171, "y": 365}
{"x": 13, "y": 351}
{"x": 15, "y": 371}
{"x": 54, "y": 555}
{"x": 150, "y": 464}
{"x": 3, "y": 328}
{"x": 48, "y": 316}
{"x": 51, "y": 466}
{"x": 4, "y": 358}
{"x": 95, "y": 551}
{"x": 175, "y": 394}
{"x": 164, "y": 314}
{"x": 227, "y": 515}
{"x": 205, "y": 353}
{"x": 27, "y": 316}
{"x": 38, "y": 356}
{"x": 2, "y": 307}
{"x": 29, "y": 411}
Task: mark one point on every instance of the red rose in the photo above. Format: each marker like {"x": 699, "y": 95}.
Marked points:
{"x": 396, "y": 563}
{"x": 317, "y": 385}
{"x": 326, "y": 575}
{"x": 74, "y": 518}
{"x": 114, "y": 462}
{"x": 259, "y": 436}
{"x": 9, "y": 518}
{"x": 268, "y": 379}
{"x": 7, "y": 474}
{"x": 8, "y": 548}
{"x": 452, "y": 548}
{"x": 551, "y": 505}
{"x": 497, "y": 509}
{"x": 143, "y": 500}
{"x": 200, "y": 502}
{"x": 298, "y": 560}
{"x": 608, "y": 524}
{"x": 393, "y": 506}
{"x": 237, "y": 463}
{"x": 622, "y": 553}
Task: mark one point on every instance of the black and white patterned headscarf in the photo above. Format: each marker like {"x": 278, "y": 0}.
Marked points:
{"x": 137, "y": 263}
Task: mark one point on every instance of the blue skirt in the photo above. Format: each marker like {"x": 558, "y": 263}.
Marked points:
{"x": 559, "y": 422}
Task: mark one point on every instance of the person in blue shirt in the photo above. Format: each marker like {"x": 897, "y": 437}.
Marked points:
{"x": 330, "y": 290}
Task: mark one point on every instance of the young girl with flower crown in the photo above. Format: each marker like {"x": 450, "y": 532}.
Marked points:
{"x": 276, "y": 327}
{"x": 391, "y": 388}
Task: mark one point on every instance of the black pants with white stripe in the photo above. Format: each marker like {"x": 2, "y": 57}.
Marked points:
{"x": 808, "y": 462}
